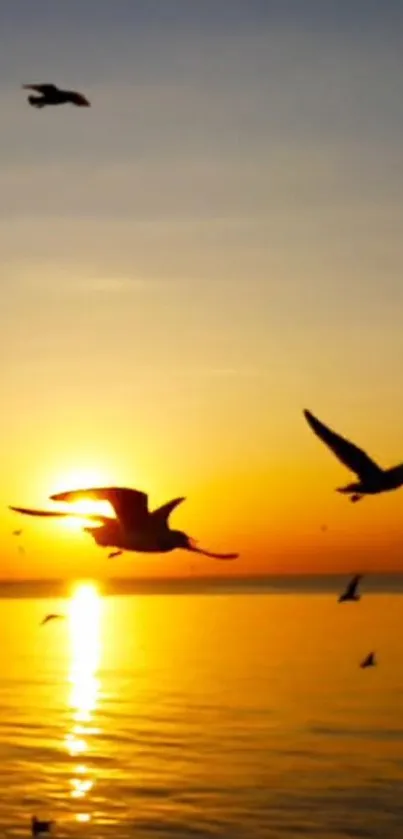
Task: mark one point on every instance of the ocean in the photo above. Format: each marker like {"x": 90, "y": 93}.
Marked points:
{"x": 234, "y": 714}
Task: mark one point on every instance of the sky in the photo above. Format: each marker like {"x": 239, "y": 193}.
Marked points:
{"x": 212, "y": 247}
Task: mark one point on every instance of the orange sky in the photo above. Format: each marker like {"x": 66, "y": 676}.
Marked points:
{"x": 212, "y": 247}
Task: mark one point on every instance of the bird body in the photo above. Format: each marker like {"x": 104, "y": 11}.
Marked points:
{"x": 372, "y": 479}
{"x": 52, "y": 95}
{"x": 368, "y": 661}
{"x": 350, "y": 594}
{"x": 134, "y": 527}
{"x": 52, "y": 617}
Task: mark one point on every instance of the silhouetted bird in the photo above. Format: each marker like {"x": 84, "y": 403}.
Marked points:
{"x": 17, "y": 532}
{"x": 369, "y": 661}
{"x": 52, "y": 617}
{"x": 52, "y": 95}
{"x": 372, "y": 479}
{"x": 351, "y": 591}
{"x": 134, "y": 528}
{"x": 38, "y": 827}
{"x": 113, "y": 554}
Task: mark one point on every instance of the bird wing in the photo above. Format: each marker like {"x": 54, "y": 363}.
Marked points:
{"x": 50, "y": 618}
{"x": 368, "y": 660}
{"x": 349, "y": 454}
{"x": 130, "y": 505}
{"x": 161, "y": 515}
{"x": 44, "y": 513}
{"x": 353, "y": 584}
{"x": 41, "y": 88}
{"x": 77, "y": 98}
{"x": 57, "y": 514}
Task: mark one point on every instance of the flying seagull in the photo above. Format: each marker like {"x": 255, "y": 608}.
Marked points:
{"x": 369, "y": 661}
{"x": 351, "y": 591}
{"x": 113, "y": 554}
{"x": 134, "y": 527}
{"x": 372, "y": 479}
{"x": 17, "y": 532}
{"x": 52, "y": 95}
{"x": 52, "y": 617}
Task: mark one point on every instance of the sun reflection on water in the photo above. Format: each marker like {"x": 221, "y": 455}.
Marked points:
{"x": 85, "y": 653}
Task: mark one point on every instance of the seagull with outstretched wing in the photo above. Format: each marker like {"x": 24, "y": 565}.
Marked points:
{"x": 351, "y": 593}
{"x": 134, "y": 527}
{"x": 368, "y": 661}
{"x": 52, "y": 95}
{"x": 51, "y": 617}
{"x": 372, "y": 479}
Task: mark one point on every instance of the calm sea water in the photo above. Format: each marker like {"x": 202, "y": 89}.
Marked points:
{"x": 183, "y": 716}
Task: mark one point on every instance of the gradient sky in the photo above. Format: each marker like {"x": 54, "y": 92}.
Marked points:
{"x": 213, "y": 246}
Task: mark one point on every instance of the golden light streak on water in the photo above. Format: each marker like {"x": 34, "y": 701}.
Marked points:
{"x": 85, "y": 652}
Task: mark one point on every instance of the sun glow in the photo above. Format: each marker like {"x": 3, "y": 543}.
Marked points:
{"x": 81, "y": 479}
{"x": 85, "y": 652}
{"x": 84, "y": 508}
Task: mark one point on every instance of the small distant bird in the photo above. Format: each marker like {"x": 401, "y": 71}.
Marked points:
{"x": 17, "y": 532}
{"x": 134, "y": 527}
{"x": 52, "y": 617}
{"x": 369, "y": 661}
{"x": 114, "y": 553}
{"x": 351, "y": 591}
{"x": 38, "y": 827}
{"x": 52, "y": 95}
{"x": 372, "y": 480}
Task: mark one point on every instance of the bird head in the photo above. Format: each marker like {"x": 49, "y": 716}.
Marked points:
{"x": 181, "y": 540}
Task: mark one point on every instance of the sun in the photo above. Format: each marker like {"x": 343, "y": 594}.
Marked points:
{"x": 83, "y": 479}
{"x": 80, "y": 478}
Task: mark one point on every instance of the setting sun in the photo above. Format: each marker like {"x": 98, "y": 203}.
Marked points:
{"x": 84, "y": 508}
{"x": 82, "y": 479}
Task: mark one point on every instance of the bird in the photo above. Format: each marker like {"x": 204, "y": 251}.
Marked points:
{"x": 51, "y": 617}
{"x": 52, "y": 95}
{"x": 134, "y": 527}
{"x": 38, "y": 827}
{"x": 368, "y": 661}
{"x": 350, "y": 592}
{"x": 372, "y": 479}
{"x": 113, "y": 554}
{"x": 17, "y": 532}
